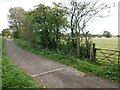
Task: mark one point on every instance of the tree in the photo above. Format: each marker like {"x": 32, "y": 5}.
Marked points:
{"x": 80, "y": 13}
{"x": 15, "y": 16}
{"x": 107, "y": 34}
{"x": 47, "y": 25}
{"x": 6, "y": 32}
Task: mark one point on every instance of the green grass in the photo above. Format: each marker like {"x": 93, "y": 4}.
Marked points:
{"x": 105, "y": 71}
{"x": 0, "y": 62}
{"x": 108, "y": 43}
{"x": 14, "y": 77}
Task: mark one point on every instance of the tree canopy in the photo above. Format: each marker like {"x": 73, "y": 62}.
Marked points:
{"x": 6, "y": 32}
{"x": 16, "y": 20}
{"x": 107, "y": 34}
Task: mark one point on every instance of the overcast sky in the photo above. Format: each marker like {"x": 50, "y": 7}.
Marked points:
{"x": 96, "y": 27}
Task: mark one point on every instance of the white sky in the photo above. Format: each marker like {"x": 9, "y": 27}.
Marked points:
{"x": 96, "y": 27}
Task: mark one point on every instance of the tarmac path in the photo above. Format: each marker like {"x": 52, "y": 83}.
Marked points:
{"x": 52, "y": 74}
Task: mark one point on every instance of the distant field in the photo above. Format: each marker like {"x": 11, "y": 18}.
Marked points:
{"x": 109, "y": 43}
{"x": 106, "y": 43}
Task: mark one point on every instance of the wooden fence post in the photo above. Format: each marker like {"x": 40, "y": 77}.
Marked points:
{"x": 94, "y": 52}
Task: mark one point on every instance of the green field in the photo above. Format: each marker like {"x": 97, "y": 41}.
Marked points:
{"x": 108, "y": 43}
{"x": 12, "y": 76}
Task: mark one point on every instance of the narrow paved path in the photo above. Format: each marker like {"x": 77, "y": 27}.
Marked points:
{"x": 52, "y": 74}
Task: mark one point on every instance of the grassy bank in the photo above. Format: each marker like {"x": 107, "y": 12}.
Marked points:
{"x": 105, "y": 71}
{"x": 14, "y": 77}
{"x": 0, "y": 62}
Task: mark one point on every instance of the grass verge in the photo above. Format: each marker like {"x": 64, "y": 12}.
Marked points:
{"x": 14, "y": 77}
{"x": 0, "y": 62}
{"x": 105, "y": 71}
